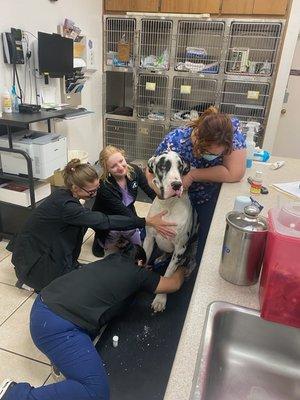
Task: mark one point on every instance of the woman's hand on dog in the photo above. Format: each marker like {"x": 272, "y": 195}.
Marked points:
{"x": 161, "y": 226}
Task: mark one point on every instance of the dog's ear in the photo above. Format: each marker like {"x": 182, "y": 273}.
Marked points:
{"x": 185, "y": 167}
{"x": 151, "y": 164}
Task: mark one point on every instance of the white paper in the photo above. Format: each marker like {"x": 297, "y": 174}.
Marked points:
{"x": 292, "y": 188}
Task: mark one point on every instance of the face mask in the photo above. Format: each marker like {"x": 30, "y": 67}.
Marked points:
{"x": 210, "y": 157}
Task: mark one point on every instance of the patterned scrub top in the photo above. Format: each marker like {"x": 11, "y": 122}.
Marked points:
{"x": 179, "y": 140}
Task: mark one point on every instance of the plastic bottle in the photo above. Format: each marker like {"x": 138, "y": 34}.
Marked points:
{"x": 14, "y": 100}
{"x": 253, "y": 128}
{"x": 6, "y": 101}
{"x": 256, "y": 184}
{"x": 261, "y": 155}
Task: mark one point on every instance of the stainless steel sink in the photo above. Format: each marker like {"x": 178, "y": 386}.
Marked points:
{"x": 243, "y": 357}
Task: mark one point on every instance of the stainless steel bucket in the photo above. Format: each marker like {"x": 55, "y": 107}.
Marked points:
{"x": 243, "y": 246}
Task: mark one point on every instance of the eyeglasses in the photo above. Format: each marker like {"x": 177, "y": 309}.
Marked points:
{"x": 92, "y": 192}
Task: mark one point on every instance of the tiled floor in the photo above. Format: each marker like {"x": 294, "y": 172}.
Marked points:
{"x": 20, "y": 360}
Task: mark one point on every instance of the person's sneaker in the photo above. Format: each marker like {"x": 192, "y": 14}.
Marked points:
{"x": 21, "y": 285}
{"x": 56, "y": 374}
{"x": 97, "y": 249}
{"x": 5, "y": 386}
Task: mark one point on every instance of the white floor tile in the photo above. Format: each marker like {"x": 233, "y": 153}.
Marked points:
{"x": 15, "y": 335}
{"x": 3, "y": 252}
{"x": 7, "y": 272}
{"x": 50, "y": 380}
{"x": 21, "y": 369}
{"x": 88, "y": 234}
{"x": 11, "y": 299}
{"x": 86, "y": 251}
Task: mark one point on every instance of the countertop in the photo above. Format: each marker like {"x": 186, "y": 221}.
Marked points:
{"x": 209, "y": 286}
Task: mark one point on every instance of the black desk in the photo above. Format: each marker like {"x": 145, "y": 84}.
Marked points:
{"x": 22, "y": 120}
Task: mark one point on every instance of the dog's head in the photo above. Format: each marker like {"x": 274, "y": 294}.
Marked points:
{"x": 168, "y": 169}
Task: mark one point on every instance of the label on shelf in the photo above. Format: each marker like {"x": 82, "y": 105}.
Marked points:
{"x": 151, "y": 86}
{"x": 253, "y": 94}
{"x": 185, "y": 89}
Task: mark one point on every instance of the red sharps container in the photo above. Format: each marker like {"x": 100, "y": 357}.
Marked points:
{"x": 280, "y": 280}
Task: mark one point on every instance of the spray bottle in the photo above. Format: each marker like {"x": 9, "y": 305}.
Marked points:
{"x": 6, "y": 101}
{"x": 253, "y": 128}
{"x": 14, "y": 100}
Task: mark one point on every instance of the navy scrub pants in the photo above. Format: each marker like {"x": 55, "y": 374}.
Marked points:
{"x": 71, "y": 350}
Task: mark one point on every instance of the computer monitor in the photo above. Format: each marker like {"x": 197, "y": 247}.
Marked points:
{"x": 55, "y": 54}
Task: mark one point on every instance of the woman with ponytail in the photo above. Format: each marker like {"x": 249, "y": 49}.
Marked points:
{"x": 215, "y": 148}
{"x": 49, "y": 244}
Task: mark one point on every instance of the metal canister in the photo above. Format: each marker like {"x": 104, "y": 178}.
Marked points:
{"x": 243, "y": 246}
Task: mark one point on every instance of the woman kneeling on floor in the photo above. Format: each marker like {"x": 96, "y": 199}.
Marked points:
{"x": 68, "y": 314}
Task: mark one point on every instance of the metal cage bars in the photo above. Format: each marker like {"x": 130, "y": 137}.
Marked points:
{"x": 119, "y": 34}
{"x": 139, "y": 140}
{"x": 198, "y": 46}
{"x": 242, "y": 89}
{"x": 252, "y": 48}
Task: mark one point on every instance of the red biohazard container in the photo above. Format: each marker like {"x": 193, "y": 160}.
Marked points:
{"x": 280, "y": 280}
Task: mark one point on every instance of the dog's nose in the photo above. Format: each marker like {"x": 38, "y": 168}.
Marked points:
{"x": 176, "y": 185}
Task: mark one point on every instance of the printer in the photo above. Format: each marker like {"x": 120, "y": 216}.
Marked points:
{"x": 48, "y": 153}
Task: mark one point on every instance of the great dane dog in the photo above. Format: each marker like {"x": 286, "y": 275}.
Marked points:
{"x": 168, "y": 169}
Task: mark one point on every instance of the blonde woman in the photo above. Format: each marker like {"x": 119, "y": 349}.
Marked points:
{"x": 116, "y": 195}
{"x": 49, "y": 244}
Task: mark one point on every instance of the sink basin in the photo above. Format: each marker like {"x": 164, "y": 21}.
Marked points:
{"x": 243, "y": 357}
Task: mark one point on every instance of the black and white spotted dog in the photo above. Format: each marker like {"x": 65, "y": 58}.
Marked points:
{"x": 168, "y": 169}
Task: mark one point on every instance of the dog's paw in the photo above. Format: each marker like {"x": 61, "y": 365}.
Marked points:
{"x": 159, "y": 302}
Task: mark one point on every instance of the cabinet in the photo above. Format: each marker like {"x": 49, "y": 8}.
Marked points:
{"x": 191, "y": 6}
{"x": 175, "y": 6}
{"x": 205, "y": 6}
{"x": 231, "y": 7}
{"x": 237, "y": 7}
{"x": 132, "y": 5}
{"x": 274, "y": 7}
{"x": 142, "y": 5}
{"x": 117, "y": 5}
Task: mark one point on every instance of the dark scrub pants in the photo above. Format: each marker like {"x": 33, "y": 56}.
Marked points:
{"x": 71, "y": 349}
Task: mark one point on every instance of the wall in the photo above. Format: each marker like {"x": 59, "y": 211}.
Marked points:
{"x": 282, "y": 75}
{"x": 287, "y": 140}
{"x": 42, "y": 15}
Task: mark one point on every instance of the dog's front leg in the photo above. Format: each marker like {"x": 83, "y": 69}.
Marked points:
{"x": 160, "y": 300}
{"x": 148, "y": 245}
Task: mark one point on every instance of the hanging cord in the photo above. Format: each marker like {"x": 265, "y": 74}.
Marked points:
{"x": 19, "y": 86}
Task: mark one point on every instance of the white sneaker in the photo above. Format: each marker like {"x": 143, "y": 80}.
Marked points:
{"x": 5, "y": 385}
{"x": 56, "y": 374}
{"x": 21, "y": 285}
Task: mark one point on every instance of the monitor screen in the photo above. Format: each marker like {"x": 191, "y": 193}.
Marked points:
{"x": 55, "y": 54}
